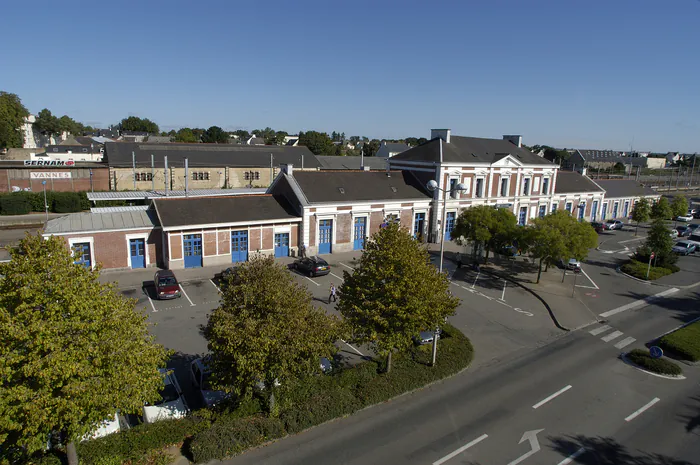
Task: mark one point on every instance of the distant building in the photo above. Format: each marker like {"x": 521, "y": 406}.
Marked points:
{"x": 390, "y": 149}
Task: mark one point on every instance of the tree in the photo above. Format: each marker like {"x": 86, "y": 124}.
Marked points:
{"x": 394, "y": 293}
{"x": 68, "y": 124}
{"x": 73, "y": 349}
{"x": 318, "y": 142}
{"x": 372, "y": 147}
{"x": 661, "y": 210}
{"x": 559, "y": 236}
{"x": 186, "y": 135}
{"x": 679, "y": 206}
{"x": 134, "y": 123}
{"x": 47, "y": 124}
{"x": 641, "y": 212}
{"x": 473, "y": 225}
{"x": 276, "y": 139}
{"x": 242, "y": 134}
{"x": 12, "y": 114}
{"x": 660, "y": 243}
{"x": 215, "y": 135}
{"x": 266, "y": 329}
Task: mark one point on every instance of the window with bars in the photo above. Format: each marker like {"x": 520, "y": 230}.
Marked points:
{"x": 143, "y": 176}
{"x": 200, "y": 176}
{"x": 251, "y": 175}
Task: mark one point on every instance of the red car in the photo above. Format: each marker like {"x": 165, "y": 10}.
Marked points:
{"x": 166, "y": 284}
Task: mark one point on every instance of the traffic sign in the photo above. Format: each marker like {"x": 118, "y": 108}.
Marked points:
{"x": 656, "y": 352}
{"x": 652, "y": 256}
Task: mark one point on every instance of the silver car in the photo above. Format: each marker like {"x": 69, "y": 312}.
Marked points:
{"x": 684, "y": 247}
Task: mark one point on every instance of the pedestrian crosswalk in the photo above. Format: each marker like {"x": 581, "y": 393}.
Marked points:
{"x": 607, "y": 336}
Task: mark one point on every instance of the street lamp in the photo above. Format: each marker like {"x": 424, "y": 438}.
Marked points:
{"x": 46, "y": 204}
{"x": 433, "y": 186}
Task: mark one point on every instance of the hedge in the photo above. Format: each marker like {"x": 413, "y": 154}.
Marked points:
{"x": 21, "y": 203}
{"x": 639, "y": 270}
{"x": 685, "y": 342}
{"x": 662, "y": 366}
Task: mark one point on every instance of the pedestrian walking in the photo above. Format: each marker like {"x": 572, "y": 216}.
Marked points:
{"x": 302, "y": 251}
{"x": 332, "y": 295}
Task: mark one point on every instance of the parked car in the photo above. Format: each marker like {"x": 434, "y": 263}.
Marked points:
{"x": 166, "y": 284}
{"x": 599, "y": 227}
{"x": 693, "y": 227}
{"x": 614, "y": 224}
{"x": 673, "y": 233}
{"x": 695, "y": 238}
{"x": 509, "y": 251}
{"x": 426, "y": 337}
{"x": 687, "y": 218}
{"x": 684, "y": 247}
{"x": 571, "y": 264}
{"x": 696, "y": 215}
{"x": 201, "y": 379}
{"x": 683, "y": 231}
{"x": 171, "y": 405}
{"x": 313, "y": 266}
{"x": 109, "y": 426}
{"x": 326, "y": 365}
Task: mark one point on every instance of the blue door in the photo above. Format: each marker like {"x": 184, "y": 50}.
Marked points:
{"x": 626, "y": 209}
{"x": 239, "y": 246}
{"x": 615, "y": 210}
{"x": 543, "y": 211}
{"x": 360, "y": 233}
{"x": 82, "y": 254}
{"x": 605, "y": 211}
{"x": 449, "y": 225}
{"x": 137, "y": 249}
{"x": 594, "y": 211}
{"x": 418, "y": 225}
{"x": 192, "y": 246}
{"x": 282, "y": 245}
{"x": 325, "y": 232}
{"x": 522, "y": 217}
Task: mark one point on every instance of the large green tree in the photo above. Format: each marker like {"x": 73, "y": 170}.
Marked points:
{"x": 134, "y": 123}
{"x": 215, "y": 135}
{"x": 266, "y": 329}
{"x": 486, "y": 226}
{"x": 659, "y": 242}
{"x": 661, "y": 210}
{"x": 394, "y": 293}
{"x": 641, "y": 212}
{"x": 318, "y": 142}
{"x": 186, "y": 135}
{"x": 12, "y": 114}
{"x": 679, "y": 206}
{"x": 47, "y": 124}
{"x": 73, "y": 349}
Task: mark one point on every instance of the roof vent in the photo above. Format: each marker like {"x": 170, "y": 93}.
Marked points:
{"x": 473, "y": 155}
{"x": 341, "y": 190}
{"x": 394, "y": 190}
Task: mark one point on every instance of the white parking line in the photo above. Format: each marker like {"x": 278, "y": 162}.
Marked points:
{"x": 151, "y": 301}
{"x": 611, "y": 336}
{"x": 333, "y": 274}
{"x": 346, "y": 266}
{"x": 597, "y": 331}
{"x": 589, "y": 278}
{"x": 503, "y": 294}
{"x": 311, "y": 280}
{"x": 185, "y": 294}
{"x": 547, "y": 399}
{"x": 632, "y": 240}
{"x": 639, "y": 303}
{"x": 217, "y": 287}
{"x": 353, "y": 348}
{"x": 572, "y": 457}
{"x": 475, "y": 279}
{"x": 641, "y": 410}
{"x": 625, "y": 342}
{"x": 461, "y": 449}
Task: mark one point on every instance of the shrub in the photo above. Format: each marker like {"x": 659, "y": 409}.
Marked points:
{"x": 685, "y": 342}
{"x": 15, "y": 204}
{"x": 655, "y": 365}
{"x": 84, "y": 202}
{"x": 66, "y": 202}
{"x": 639, "y": 270}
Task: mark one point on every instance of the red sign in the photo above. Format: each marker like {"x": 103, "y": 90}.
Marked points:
{"x": 652, "y": 256}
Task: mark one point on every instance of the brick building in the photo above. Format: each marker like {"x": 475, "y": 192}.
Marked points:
{"x": 578, "y": 195}
{"x": 61, "y": 176}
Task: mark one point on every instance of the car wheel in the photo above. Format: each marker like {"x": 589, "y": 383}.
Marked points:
{"x": 312, "y": 274}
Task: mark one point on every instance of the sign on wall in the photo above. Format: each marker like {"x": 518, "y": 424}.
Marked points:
{"x": 50, "y": 175}
{"x": 49, "y": 163}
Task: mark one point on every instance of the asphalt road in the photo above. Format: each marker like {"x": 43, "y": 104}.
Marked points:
{"x": 539, "y": 407}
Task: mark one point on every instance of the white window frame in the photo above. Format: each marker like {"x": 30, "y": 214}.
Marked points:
{"x": 143, "y": 236}
{"x": 79, "y": 240}
{"x": 483, "y": 187}
{"x": 505, "y": 178}
{"x": 569, "y": 202}
{"x": 457, "y": 193}
{"x": 366, "y": 215}
{"x": 522, "y": 186}
{"x": 425, "y": 219}
{"x": 333, "y": 217}
{"x": 549, "y": 185}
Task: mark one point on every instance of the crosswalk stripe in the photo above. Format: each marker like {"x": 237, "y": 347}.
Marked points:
{"x": 597, "y": 331}
{"x": 611, "y": 336}
{"x": 625, "y": 342}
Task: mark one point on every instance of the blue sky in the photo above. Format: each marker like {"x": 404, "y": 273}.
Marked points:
{"x": 586, "y": 74}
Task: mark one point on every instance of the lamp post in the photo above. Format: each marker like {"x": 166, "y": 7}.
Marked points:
{"x": 46, "y": 204}
{"x": 433, "y": 186}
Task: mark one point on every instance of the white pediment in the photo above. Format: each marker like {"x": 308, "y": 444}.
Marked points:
{"x": 508, "y": 160}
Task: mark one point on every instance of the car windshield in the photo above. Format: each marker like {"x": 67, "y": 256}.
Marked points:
{"x": 167, "y": 281}
{"x": 168, "y": 394}
{"x": 318, "y": 260}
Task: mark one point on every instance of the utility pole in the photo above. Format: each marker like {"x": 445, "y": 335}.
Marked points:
{"x": 678, "y": 178}
{"x": 153, "y": 174}
{"x": 692, "y": 170}
{"x": 133, "y": 167}
{"x": 272, "y": 169}
{"x": 165, "y": 177}
{"x": 187, "y": 177}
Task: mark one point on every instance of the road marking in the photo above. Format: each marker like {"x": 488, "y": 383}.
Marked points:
{"x": 611, "y": 336}
{"x": 625, "y": 342}
{"x": 589, "y": 278}
{"x": 597, "y": 331}
{"x": 641, "y": 410}
{"x": 185, "y": 294}
{"x": 151, "y": 301}
{"x": 632, "y": 240}
{"x": 217, "y": 287}
{"x": 461, "y": 449}
{"x": 503, "y": 294}
{"x": 332, "y": 274}
{"x": 475, "y": 279}
{"x": 572, "y": 457}
{"x": 531, "y": 437}
{"x": 639, "y": 303}
{"x": 346, "y": 266}
{"x": 547, "y": 399}
{"x": 353, "y": 348}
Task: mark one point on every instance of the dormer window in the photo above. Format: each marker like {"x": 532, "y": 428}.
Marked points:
{"x": 394, "y": 190}
{"x": 341, "y": 190}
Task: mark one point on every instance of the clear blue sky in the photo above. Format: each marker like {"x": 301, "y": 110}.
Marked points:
{"x": 586, "y": 74}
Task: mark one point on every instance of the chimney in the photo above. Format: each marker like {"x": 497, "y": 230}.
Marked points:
{"x": 288, "y": 169}
{"x": 443, "y": 134}
{"x": 515, "y": 140}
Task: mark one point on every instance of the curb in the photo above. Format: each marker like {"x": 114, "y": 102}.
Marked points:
{"x": 627, "y": 361}
{"x": 689, "y": 286}
{"x": 546, "y": 305}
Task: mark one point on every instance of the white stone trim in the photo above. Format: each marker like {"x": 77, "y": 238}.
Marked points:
{"x": 282, "y": 230}
{"x": 90, "y": 240}
{"x": 143, "y": 236}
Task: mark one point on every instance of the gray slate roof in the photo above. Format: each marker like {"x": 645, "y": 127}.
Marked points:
{"x": 358, "y": 186}
{"x": 158, "y": 139}
{"x": 83, "y": 222}
{"x": 393, "y": 147}
{"x": 569, "y": 182}
{"x": 174, "y": 213}
{"x": 469, "y": 150}
{"x": 118, "y": 154}
{"x": 332, "y": 162}
{"x": 615, "y": 188}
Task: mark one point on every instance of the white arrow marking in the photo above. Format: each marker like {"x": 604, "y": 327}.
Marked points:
{"x": 534, "y": 445}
